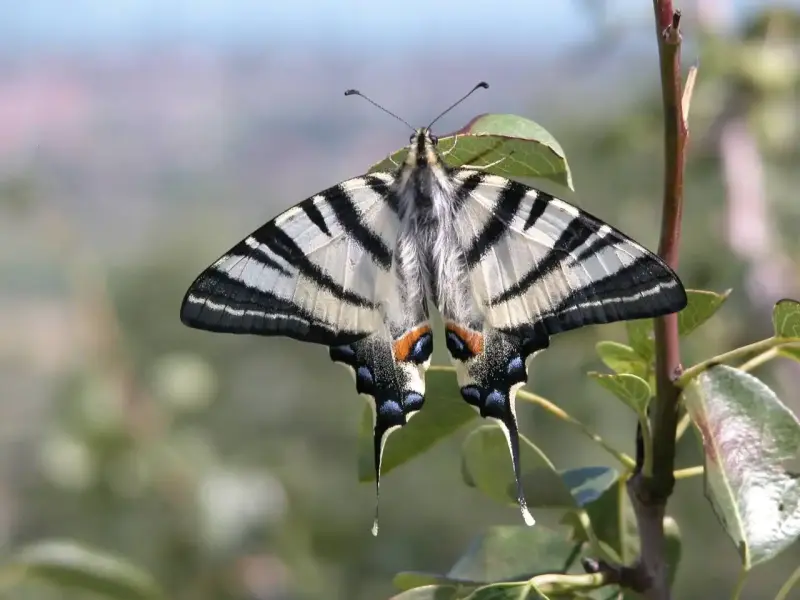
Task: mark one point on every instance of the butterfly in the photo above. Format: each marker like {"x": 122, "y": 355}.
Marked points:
{"x": 359, "y": 266}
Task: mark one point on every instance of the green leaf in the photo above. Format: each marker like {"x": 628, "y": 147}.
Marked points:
{"x": 612, "y": 520}
{"x": 506, "y": 591}
{"x": 632, "y": 390}
{"x": 748, "y": 436}
{"x": 621, "y": 358}
{"x": 640, "y": 337}
{"x": 443, "y": 414}
{"x": 407, "y": 580}
{"x": 431, "y": 592}
{"x": 66, "y": 564}
{"x": 502, "y": 554}
{"x": 701, "y": 307}
{"x": 519, "y": 147}
{"x": 486, "y": 465}
{"x": 786, "y": 318}
{"x": 513, "y": 553}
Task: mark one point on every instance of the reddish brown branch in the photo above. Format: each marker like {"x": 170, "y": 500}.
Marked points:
{"x": 649, "y": 492}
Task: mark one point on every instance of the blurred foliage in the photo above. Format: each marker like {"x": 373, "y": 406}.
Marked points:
{"x": 226, "y": 467}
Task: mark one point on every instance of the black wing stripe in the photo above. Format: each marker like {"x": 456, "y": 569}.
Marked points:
{"x": 279, "y": 242}
{"x": 351, "y": 221}
{"x": 467, "y": 186}
{"x": 646, "y": 288}
{"x": 251, "y": 245}
{"x": 382, "y": 189}
{"x": 574, "y": 236}
{"x": 315, "y": 216}
{"x": 505, "y": 210}
{"x": 538, "y": 206}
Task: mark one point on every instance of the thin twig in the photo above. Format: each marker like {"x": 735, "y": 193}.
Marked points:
{"x": 689, "y": 472}
{"x": 683, "y": 425}
{"x": 738, "y": 353}
{"x": 794, "y": 578}
{"x": 554, "y": 410}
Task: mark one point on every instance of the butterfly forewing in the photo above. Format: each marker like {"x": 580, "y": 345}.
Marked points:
{"x": 535, "y": 259}
{"x": 318, "y": 272}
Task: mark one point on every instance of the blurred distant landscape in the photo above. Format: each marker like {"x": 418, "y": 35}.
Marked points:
{"x": 227, "y": 465}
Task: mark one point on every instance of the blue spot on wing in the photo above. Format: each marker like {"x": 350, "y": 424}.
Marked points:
{"x": 515, "y": 364}
{"x": 364, "y": 375}
{"x": 495, "y": 400}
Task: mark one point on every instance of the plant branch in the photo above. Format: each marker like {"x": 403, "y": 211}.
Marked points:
{"x": 648, "y": 493}
{"x": 761, "y": 346}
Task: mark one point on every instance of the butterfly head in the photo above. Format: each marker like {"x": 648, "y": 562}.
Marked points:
{"x": 422, "y": 149}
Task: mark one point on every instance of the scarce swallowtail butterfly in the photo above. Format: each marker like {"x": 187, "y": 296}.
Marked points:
{"x": 355, "y": 267}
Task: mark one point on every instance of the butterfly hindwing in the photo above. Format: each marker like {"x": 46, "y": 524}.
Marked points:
{"x": 491, "y": 366}
{"x": 391, "y": 374}
{"x": 318, "y": 272}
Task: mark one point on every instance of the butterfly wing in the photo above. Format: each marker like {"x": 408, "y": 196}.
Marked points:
{"x": 316, "y": 273}
{"x": 324, "y": 272}
{"x": 539, "y": 266}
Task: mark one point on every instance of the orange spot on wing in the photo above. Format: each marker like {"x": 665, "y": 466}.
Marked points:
{"x": 404, "y": 344}
{"x": 472, "y": 339}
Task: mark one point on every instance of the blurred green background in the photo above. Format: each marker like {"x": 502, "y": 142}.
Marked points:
{"x": 137, "y": 145}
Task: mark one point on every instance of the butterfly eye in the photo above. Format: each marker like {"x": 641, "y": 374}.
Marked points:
{"x": 411, "y": 138}
{"x": 435, "y": 140}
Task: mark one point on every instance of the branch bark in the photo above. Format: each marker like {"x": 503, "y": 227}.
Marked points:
{"x": 649, "y": 492}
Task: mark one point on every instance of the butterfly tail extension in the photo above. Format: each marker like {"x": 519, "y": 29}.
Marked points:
{"x": 395, "y": 388}
{"x": 491, "y": 368}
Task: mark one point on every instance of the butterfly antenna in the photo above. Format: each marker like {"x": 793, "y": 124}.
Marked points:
{"x": 482, "y": 85}
{"x": 371, "y": 101}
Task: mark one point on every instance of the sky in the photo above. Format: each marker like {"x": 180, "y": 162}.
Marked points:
{"x": 81, "y": 25}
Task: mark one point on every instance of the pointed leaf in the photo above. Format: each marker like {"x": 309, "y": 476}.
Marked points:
{"x": 632, "y": 390}
{"x": 701, "y": 307}
{"x": 640, "y": 337}
{"x": 587, "y": 484}
{"x": 506, "y": 591}
{"x": 621, "y": 358}
{"x": 444, "y": 412}
{"x": 612, "y": 520}
{"x": 786, "y": 318}
{"x": 748, "y": 436}
{"x": 430, "y": 592}
{"x": 407, "y": 580}
{"x": 519, "y": 147}
{"x": 513, "y": 553}
{"x": 67, "y": 564}
{"x": 486, "y": 465}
